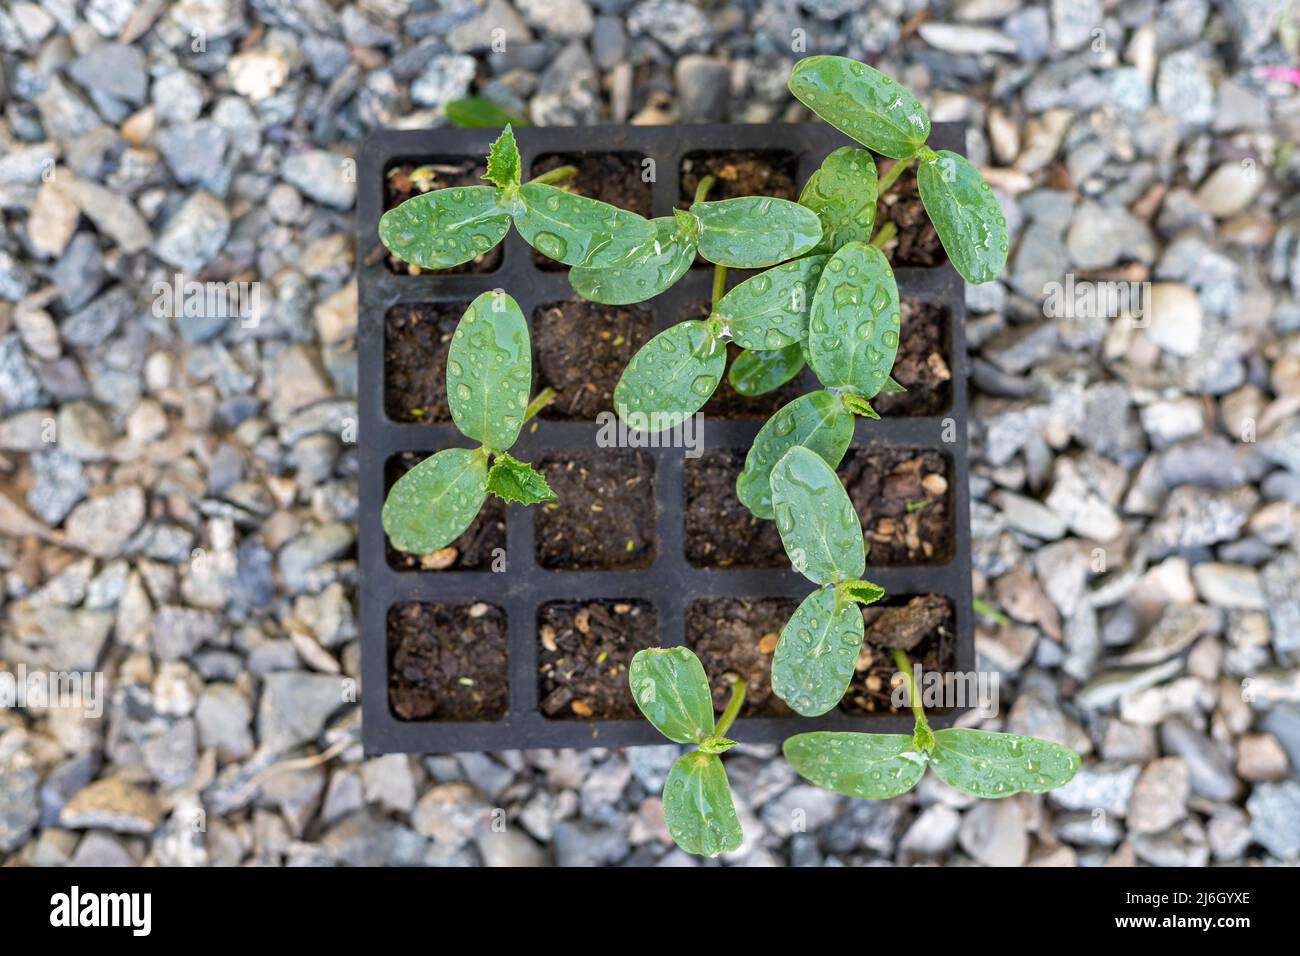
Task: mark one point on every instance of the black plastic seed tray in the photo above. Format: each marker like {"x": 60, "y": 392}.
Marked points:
{"x": 670, "y": 583}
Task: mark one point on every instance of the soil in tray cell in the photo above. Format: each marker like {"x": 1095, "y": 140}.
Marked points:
{"x": 737, "y": 636}
{"x": 604, "y": 513}
{"x": 481, "y": 548}
{"x": 581, "y": 350}
{"x": 614, "y": 178}
{"x": 922, "y": 365}
{"x": 584, "y": 649}
{"x": 447, "y": 661}
{"x": 916, "y": 243}
{"x": 720, "y": 531}
{"x": 902, "y": 498}
{"x": 736, "y": 173}
{"x": 416, "y": 340}
{"x": 726, "y": 401}
{"x": 924, "y": 626}
{"x": 413, "y": 179}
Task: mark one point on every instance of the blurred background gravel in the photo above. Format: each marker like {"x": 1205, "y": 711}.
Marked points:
{"x": 191, "y": 531}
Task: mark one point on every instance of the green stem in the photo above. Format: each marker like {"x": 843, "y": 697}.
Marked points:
{"x": 886, "y": 232}
{"x": 913, "y": 696}
{"x": 703, "y": 187}
{"x": 719, "y": 283}
{"x": 553, "y": 175}
{"x": 733, "y": 707}
{"x": 888, "y": 179}
{"x": 544, "y": 398}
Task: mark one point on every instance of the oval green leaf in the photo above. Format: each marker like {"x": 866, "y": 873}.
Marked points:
{"x": 445, "y": 227}
{"x": 869, "y": 766}
{"x": 842, "y": 191}
{"x": 770, "y": 310}
{"x": 655, "y": 268}
{"x": 670, "y": 377}
{"x": 752, "y": 232}
{"x": 862, "y": 102}
{"x": 819, "y": 528}
{"x": 698, "y": 808}
{"x": 431, "y": 505}
{"x": 579, "y": 231}
{"x": 993, "y": 765}
{"x": 817, "y": 421}
{"x": 478, "y": 112}
{"x": 759, "y": 371}
{"x": 814, "y": 658}
{"x": 854, "y": 324}
{"x": 490, "y": 371}
{"x": 966, "y": 215}
{"x": 670, "y": 687}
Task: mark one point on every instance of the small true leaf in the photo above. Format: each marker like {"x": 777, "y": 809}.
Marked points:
{"x": 858, "y": 405}
{"x": 752, "y": 232}
{"x": 653, "y": 269}
{"x": 863, "y": 103}
{"x": 716, "y": 744}
{"x": 431, "y": 505}
{"x": 819, "y": 528}
{"x": 503, "y": 160}
{"x": 698, "y": 808}
{"x": 817, "y": 421}
{"x": 478, "y": 112}
{"x": 842, "y": 191}
{"x": 991, "y": 765}
{"x": 755, "y": 372}
{"x": 966, "y": 215}
{"x": 854, "y": 324}
{"x": 871, "y": 766}
{"x": 446, "y": 227}
{"x": 814, "y": 658}
{"x": 579, "y": 231}
{"x": 514, "y": 480}
{"x": 864, "y": 592}
{"x": 670, "y": 377}
{"x": 490, "y": 371}
{"x": 770, "y": 310}
{"x": 670, "y": 687}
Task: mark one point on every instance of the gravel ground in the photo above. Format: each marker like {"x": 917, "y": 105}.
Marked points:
{"x": 178, "y": 501}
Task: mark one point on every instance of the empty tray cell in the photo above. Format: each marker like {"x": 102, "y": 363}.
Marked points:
{"x": 614, "y": 178}
{"x": 916, "y": 244}
{"x": 923, "y": 365}
{"x": 740, "y": 172}
{"x": 416, "y": 339}
{"x": 903, "y": 498}
{"x": 720, "y": 532}
{"x": 584, "y": 649}
{"x": 581, "y": 350}
{"x": 726, "y": 401}
{"x": 604, "y": 513}
{"x": 447, "y": 661}
{"x": 408, "y": 179}
{"x": 737, "y": 636}
{"x": 481, "y": 548}
{"x": 925, "y": 627}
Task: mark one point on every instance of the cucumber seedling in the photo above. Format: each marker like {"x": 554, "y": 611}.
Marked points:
{"x": 489, "y": 379}
{"x": 672, "y": 691}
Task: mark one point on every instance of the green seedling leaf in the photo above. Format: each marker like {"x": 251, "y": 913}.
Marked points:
{"x": 513, "y": 480}
{"x": 716, "y": 744}
{"x": 770, "y": 310}
{"x": 753, "y": 232}
{"x": 670, "y": 687}
{"x": 670, "y": 377}
{"x": 503, "y": 166}
{"x": 863, "y": 592}
{"x": 995, "y": 765}
{"x": 477, "y": 112}
{"x": 760, "y": 371}
{"x": 858, "y": 405}
{"x": 819, "y": 528}
{"x": 871, "y": 766}
{"x": 652, "y": 270}
{"x": 490, "y": 371}
{"x": 965, "y": 213}
{"x": 431, "y": 505}
{"x": 814, "y": 658}
{"x": 698, "y": 808}
{"x": 863, "y": 103}
{"x": 842, "y": 191}
{"x": 579, "y": 231}
{"x": 446, "y": 227}
{"x": 853, "y": 328}
{"x": 817, "y": 421}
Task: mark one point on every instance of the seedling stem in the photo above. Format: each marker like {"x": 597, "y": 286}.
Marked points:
{"x": 719, "y": 283}
{"x": 886, "y": 232}
{"x": 555, "y": 175}
{"x": 733, "y": 707}
{"x": 703, "y": 187}
{"x": 544, "y": 398}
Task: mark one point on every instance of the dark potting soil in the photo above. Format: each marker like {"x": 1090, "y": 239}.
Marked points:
{"x": 614, "y": 178}
{"x": 726, "y": 401}
{"x": 476, "y": 550}
{"x": 902, "y": 498}
{"x": 400, "y": 185}
{"x": 447, "y": 661}
{"x": 581, "y": 350}
{"x": 584, "y": 652}
{"x": 747, "y": 172}
{"x": 416, "y": 340}
{"x": 737, "y": 636}
{"x": 720, "y": 532}
{"x": 603, "y": 516}
{"x": 922, "y": 363}
{"x": 916, "y": 243}
{"x": 927, "y": 623}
